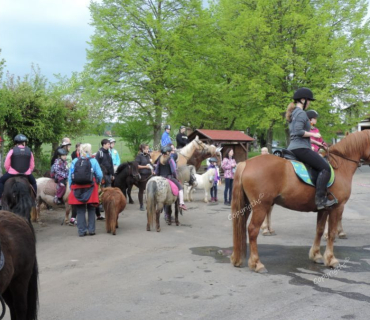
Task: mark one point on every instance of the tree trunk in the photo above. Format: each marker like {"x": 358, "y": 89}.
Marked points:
{"x": 54, "y": 145}
{"x": 270, "y": 132}
{"x": 287, "y": 134}
{"x": 157, "y": 126}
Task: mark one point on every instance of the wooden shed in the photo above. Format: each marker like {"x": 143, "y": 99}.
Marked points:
{"x": 236, "y": 140}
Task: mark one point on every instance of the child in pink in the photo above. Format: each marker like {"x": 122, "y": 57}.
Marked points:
{"x": 316, "y": 143}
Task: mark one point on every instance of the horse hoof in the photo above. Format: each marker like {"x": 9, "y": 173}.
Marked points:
{"x": 177, "y": 224}
{"x": 131, "y": 202}
{"x": 236, "y": 262}
{"x": 342, "y": 236}
{"x": 319, "y": 261}
{"x": 147, "y": 228}
{"x": 262, "y": 270}
{"x": 159, "y": 230}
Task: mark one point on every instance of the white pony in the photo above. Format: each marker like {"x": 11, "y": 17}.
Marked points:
{"x": 204, "y": 181}
{"x": 46, "y": 191}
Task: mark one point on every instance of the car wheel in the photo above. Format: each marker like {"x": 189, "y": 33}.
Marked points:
{"x": 278, "y": 153}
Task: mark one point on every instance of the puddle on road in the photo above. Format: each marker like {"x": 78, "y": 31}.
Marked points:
{"x": 291, "y": 260}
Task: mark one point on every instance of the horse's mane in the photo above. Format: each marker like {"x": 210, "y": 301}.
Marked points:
{"x": 354, "y": 143}
{"x": 187, "y": 148}
{"x": 122, "y": 167}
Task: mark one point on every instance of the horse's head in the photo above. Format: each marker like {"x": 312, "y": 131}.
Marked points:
{"x": 134, "y": 170}
{"x": 200, "y": 145}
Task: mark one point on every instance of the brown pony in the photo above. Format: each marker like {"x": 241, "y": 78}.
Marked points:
{"x": 114, "y": 202}
{"x": 266, "y": 180}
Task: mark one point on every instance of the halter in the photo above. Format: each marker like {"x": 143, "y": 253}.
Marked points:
{"x": 200, "y": 144}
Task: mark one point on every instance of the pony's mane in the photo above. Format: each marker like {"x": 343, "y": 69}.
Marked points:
{"x": 188, "y": 147}
{"x": 354, "y": 143}
{"x": 122, "y": 167}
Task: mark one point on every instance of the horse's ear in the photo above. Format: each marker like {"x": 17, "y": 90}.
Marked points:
{"x": 196, "y": 138}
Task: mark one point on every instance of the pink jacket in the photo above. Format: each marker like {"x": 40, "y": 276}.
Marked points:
{"x": 10, "y": 170}
{"x": 227, "y": 165}
{"x": 321, "y": 140}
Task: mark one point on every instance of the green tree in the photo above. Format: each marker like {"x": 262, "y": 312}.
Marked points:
{"x": 134, "y": 132}
{"x": 130, "y": 56}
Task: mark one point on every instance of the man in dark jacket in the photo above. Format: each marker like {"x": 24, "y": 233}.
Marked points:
{"x": 104, "y": 158}
{"x": 181, "y": 138}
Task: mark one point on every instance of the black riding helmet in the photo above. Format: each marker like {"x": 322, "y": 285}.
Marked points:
{"x": 167, "y": 126}
{"x": 62, "y": 152}
{"x": 312, "y": 114}
{"x": 19, "y": 138}
{"x": 166, "y": 149}
{"x": 303, "y": 93}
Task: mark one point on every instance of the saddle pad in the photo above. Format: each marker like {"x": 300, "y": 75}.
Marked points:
{"x": 50, "y": 188}
{"x": 174, "y": 188}
{"x": 2, "y": 260}
{"x": 302, "y": 173}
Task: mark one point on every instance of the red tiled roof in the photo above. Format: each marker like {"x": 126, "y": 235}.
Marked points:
{"x": 225, "y": 135}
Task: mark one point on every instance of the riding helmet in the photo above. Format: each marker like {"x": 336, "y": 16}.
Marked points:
{"x": 167, "y": 126}
{"x": 182, "y": 127}
{"x": 19, "y": 138}
{"x": 166, "y": 149}
{"x": 303, "y": 93}
{"x": 62, "y": 152}
{"x": 66, "y": 143}
{"x": 312, "y": 114}
{"x": 111, "y": 140}
{"x": 213, "y": 159}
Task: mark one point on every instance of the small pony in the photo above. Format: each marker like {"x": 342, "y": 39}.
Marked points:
{"x": 114, "y": 202}
{"x": 203, "y": 181}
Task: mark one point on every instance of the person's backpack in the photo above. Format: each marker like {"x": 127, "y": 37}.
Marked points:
{"x": 83, "y": 172}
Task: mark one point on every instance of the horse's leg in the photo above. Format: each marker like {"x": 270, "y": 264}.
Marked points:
{"x": 18, "y": 290}
{"x": 169, "y": 214}
{"x": 129, "y": 187}
{"x": 7, "y": 295}
{"x": 158, "y": 213}
{"x": 314, "y": 253}
{"x": 206, "y": 191}
{"x": 341, "y": 233}
{"x": 68, "y": 210}
{"x": 326, "y": 228}
{"x": 177, "y": 213}
{"x": 259, "y": 213}
{"x": 329, "y": 258}
{"x": 266, "y": 225}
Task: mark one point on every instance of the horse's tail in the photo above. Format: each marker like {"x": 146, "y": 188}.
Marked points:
{"x": 22, "y": 200}
{"x": 110, "y": 215}
{"x": 151, "y": 190}
{"x": 240, "y": 210}
{"x": 33, "y": 214}
{"x": 33, "y": 293}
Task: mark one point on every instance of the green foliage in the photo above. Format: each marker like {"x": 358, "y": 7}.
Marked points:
{"x": 134, "y": 132}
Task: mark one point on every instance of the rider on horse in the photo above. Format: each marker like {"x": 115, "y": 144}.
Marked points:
{"x": 60, "y": 169}
{"x": 19, "y": 161}
{"x": 166, "y": 139}
{"x": 182, "y": 138}
{"x": 166, "y": 167}
{"x": 300, "y": 144}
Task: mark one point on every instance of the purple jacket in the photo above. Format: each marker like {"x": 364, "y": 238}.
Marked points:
{"x": 227, "y": 165}
{"x": 60, "y": 169}
{"x": 217, "y": 177}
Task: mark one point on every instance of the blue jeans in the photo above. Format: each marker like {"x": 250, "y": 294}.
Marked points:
{"x": 214, "y": 190}
{"x": 81, "y": 218}
{"x": 228, "y": 189}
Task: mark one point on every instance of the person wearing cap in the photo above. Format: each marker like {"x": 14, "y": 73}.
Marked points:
{"x": 166, "y": 167}
{"x": 229, "y": 167}
{"x": 60, "y": 169}
{"x": 66, "y": 145}
{"x": 300, "y": 144}
{"x": 166, "y": 139}
{"x": 114, "y": 153}
{"x": 182, "y": 138}
{"x": 216, "y": 179}
{"x": 316, "y": 143}
{"x": 19, "y": 161}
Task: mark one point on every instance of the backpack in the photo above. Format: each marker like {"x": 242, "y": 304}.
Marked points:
{"x": 83, "y": 172}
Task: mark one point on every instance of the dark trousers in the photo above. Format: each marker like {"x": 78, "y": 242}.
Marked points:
{"x": 228, "y": 189}
{"x": 7, "y": 175}
{"x": 314, "y": 160}
{"x": 214, "y": 191}
{"x": 142, "y": 186}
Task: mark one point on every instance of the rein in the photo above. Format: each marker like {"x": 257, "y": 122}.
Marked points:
{"x": 343, "y": 157}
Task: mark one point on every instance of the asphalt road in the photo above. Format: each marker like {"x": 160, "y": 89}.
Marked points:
{"x": 184, "y": 272}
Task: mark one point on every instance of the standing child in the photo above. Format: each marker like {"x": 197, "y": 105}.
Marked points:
{"x": 216, "y": 179}
{"x": 60, "y": 169}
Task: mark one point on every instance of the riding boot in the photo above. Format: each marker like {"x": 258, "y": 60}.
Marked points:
{"x": 321, "y": 198}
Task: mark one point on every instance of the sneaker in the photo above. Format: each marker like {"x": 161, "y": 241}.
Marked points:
{"x": 142, "y": 208}
{"x": 82, "y": 235}
{"x": 183, "y": 207}
{"x": 56, "y": 200}
{"x": 72, "y": 222}
{"x": 100, "y": 218}
{"x": 216, "y": 200}
{"x": 92, "y": 233}
{"x": 212, "y": 199}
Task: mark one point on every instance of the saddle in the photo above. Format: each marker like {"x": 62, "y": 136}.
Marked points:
{"x": 306, "y": 173}
{"x": 174, "y": 188}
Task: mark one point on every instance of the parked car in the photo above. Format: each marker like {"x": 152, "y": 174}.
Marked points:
{"x": 277, "y": 151}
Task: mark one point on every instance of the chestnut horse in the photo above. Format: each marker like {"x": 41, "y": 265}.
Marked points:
{"x": 18, "y": 263}
{"x": 113, "y": 202}
{"x": 266, "y": 180}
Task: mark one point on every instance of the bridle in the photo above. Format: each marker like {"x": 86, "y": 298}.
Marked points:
{"x": 200, "y": 143}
